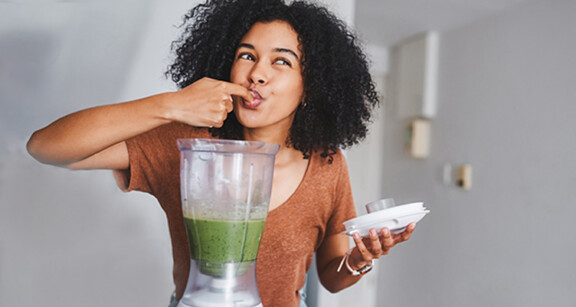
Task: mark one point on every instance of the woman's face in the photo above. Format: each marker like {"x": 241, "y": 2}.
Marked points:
{"x": 267, "y": 62}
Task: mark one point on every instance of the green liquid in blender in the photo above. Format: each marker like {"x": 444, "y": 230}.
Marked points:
{"x": 215, "y": 244}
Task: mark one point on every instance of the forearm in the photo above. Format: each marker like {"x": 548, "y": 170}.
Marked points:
{"x": 335, "y": 280}
{"x": 360, "y": 259}
{"x": 328, "y": 259}
{"x": 82, "y": 134}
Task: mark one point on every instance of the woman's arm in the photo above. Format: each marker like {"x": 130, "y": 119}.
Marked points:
{"x": 331, "y": 252}
{"x": 94, "y": 138}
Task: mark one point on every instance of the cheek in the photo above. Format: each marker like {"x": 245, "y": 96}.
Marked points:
{"x": 293, "y": 86}
{"x": 297, "y": 90}
{"x": 235, "y": 74}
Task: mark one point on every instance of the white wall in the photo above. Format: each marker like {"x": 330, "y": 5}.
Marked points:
{"x": 72, "y": 238}
{"x": 506, "y": 106}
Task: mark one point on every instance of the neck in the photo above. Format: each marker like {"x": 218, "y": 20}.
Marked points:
{"x": 285, "y": 154}
{"x": 273, "y": 136}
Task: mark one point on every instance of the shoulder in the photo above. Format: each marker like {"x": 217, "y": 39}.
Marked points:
{"x": 162, "y": 141}
{"x": 331, "y": 167}
{"x": 336, "y": 160}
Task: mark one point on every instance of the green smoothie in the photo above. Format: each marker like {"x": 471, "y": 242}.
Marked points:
{"x": 215, "y": 244}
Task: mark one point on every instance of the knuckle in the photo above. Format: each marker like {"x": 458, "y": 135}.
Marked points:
{"x": 218, "y": 122}
{"x": 378, "y": 251}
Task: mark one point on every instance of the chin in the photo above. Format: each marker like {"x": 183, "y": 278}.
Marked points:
{"x": 247, "y": 120}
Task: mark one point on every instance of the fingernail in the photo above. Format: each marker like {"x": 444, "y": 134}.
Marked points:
{"x": 356, "y": 235}
{"x": 386, "y": 231}
{"x": 373, "y": 232}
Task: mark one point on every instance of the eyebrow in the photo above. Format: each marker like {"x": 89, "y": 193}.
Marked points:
{"x": 283, "y": 50}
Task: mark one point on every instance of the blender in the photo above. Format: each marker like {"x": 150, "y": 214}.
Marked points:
{"x": 225, "y": 188}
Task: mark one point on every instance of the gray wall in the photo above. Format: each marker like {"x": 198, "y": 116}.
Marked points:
{"x": 72, "y": 238}
{"x": 506, "y": 105}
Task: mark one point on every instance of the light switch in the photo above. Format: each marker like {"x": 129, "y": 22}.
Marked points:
{"x": 418, "y": 138}
{"x": 464, "y": 179}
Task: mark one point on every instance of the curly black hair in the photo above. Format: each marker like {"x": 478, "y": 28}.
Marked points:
{"x": 338, "y": 88}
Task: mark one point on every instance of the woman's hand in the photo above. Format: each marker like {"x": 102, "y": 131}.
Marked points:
{"x": 376, "y": 245}
{"x": 204, "y": 103}
{"x": 94, "y": 137}
{"x": 329, "y": 256}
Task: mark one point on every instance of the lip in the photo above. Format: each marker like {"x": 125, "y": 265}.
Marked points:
{"x": 258, "y": 99}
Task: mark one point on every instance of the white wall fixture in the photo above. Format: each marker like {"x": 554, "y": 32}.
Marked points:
{"x": 460, "y": 176}
{"x": 414, "y": 69}
{"x": 464, "y": 179}
{"x": 418, "y": 138}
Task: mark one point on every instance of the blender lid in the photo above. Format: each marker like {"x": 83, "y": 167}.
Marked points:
{"x": 396, "y": 219}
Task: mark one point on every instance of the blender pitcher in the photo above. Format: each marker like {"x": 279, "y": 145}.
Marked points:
{"x": 225, "y": 188}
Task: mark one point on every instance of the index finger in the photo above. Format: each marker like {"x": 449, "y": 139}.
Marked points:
{"x": 239, "y": 90}
{"x": 360, "y": 245}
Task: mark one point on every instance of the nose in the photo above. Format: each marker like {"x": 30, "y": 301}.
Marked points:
{"x": 258, "y": 74}
{"x": 256, "y": 80}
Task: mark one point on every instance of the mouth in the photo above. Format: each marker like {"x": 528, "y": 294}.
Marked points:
{"x": 255, "y": 102}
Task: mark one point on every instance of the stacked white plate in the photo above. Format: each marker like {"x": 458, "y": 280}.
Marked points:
{"x": 395, "y": 218}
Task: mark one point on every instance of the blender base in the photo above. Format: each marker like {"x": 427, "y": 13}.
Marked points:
{"x": 184, "y": 305}
{"x": 230, "y": 290}
{"x": 208, "y": 299}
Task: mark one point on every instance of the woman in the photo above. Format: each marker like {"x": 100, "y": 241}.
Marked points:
{"x": 260, "y": 71}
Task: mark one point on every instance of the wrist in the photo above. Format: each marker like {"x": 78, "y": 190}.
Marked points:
{"x": 355, "y": 271}
{"x": 355, "y": 260}
{"x": 161, "y": 106}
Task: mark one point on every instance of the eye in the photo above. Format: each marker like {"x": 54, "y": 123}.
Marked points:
{"x": 283, "y": 61}
{"x": 246, "y": 56}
